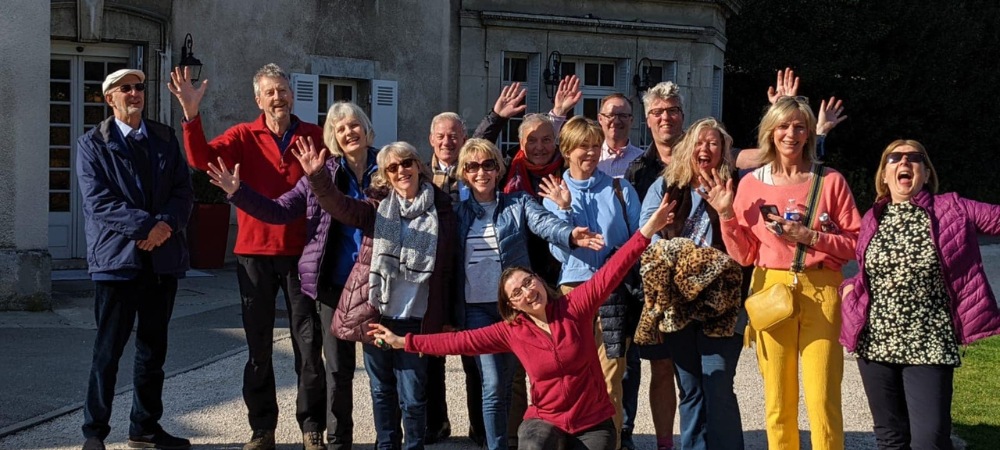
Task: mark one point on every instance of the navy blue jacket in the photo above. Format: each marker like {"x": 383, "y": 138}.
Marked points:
{"x": 516, "y": 214}
{"x": 114, "y": 205}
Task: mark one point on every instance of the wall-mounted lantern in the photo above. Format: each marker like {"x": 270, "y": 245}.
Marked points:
{"x": 551, "y": 74}
{"x": 641, "y": 79}
{"x": 188, "y": 59}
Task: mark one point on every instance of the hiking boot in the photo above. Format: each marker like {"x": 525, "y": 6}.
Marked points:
{"x": 312, "y": 440}
{"x": 261, "y": 440}
{"x": 160, "y": 439}
{"x": 94, "y": 443}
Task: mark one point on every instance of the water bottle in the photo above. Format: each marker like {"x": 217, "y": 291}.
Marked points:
{"x": 827, "y": 225}
{"x": 792, "y": 212}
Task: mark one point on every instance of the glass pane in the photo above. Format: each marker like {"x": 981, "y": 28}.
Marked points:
{"x": 113, "y": 66}
{"x": 321, "y": 119}
{"x": 93, "y": 71}
{"x": 58, "y": 180}
{"x": 92, "y": 93}
{"x": 59, "y": 135}
{"x": 59, "y": 69}
{"x": 506, "y": 69}
{"x": 567, "y": 69}
{"x": 59, "y": 202}
{"x": 322, "y": 105}
{"x": 92, "y": 115}
{"x": 607, "y": 75}
{"x": 655, "y": 74}
{"x": 59, "y": 113}
{"x": 343, "y": 93}
{"x": 518, "y": 69}
{"x": 590, "y": 107}
{"x": 59, "y": 91}
{"x": 590, "y": 77}
{"x": 59, "y": 157}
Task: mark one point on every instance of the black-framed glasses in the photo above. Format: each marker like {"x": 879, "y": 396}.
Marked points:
{"x": 518, "y": 292}
{"x": 406, "y": 164}
{"x": 489, "y": 165}
{"x": 896, "y": 157}
{"x": 126, "y": 88}
{"x": 620, "y": 116}
{"x": 673, "y": 111}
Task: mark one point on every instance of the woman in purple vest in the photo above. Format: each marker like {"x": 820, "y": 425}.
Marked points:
{"x": 920, "y": 293}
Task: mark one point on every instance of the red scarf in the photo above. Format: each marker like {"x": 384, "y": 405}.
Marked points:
{"x": 518, "y": 178}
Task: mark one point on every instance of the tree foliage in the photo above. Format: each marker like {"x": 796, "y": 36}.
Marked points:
{"x": 920, "y": 70}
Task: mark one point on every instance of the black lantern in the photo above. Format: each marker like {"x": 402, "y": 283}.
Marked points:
{"x": 641, "y": 79}
{"x": 551, "y": 74}
{"x": 188, "y": 59}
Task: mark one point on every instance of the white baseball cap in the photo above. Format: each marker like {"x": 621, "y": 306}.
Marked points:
{"x": 117, "y": 75}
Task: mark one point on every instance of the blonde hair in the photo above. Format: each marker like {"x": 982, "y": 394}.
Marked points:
{"x": 578, "y": 132}
{"x": 780, "y": 112}
{"x": 882, "y": 189}
{"x": 681, "y": 171}
{"x": 340, "y": 111}
{"x": 474, "y": 147}
{"x": 403, "y": 151}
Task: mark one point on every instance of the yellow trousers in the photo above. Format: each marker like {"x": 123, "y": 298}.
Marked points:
{"x": 809, "y": 340}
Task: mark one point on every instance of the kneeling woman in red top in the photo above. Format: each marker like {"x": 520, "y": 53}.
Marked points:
{"x": 553, "y": 336}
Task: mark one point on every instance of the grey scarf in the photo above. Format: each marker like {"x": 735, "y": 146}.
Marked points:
{"x": 412, "y": 258}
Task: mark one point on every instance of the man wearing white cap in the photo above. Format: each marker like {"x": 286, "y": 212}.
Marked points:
{"x": 136, "y": 198}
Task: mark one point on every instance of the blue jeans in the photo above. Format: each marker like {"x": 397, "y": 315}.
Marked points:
{"x": 706, "y": 366}
{"x": 495, "y": 371}
{"x": 398, "y": 380}
{"x": 630, "y": 387}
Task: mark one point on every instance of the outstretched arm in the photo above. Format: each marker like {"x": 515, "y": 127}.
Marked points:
{"x": 481, "y": 341}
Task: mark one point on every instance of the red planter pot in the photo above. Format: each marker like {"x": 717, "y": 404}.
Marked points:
{"x": 208, "y": 235}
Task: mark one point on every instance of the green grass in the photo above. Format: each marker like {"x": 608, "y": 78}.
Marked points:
{"x": 975, "y": 407}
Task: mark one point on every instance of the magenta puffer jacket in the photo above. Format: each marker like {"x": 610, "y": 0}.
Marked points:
{"x": 955, "y": 222}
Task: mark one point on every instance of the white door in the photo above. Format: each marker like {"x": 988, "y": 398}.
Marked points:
{"x": 76, "y": 104}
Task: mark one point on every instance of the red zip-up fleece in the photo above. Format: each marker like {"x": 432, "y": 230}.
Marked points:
{"x": 262, "y": 167}
{"x": 567, "y": 385}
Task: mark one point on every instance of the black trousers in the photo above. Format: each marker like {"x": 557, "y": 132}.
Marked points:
{"x": 260, "y": 279}
{"x": 437, "y": 407}
{"x": 117, "y": 304}
{"x": 537, "y": 434}
{"x": 341, "y": 363}
{"x": 910, "y": 404}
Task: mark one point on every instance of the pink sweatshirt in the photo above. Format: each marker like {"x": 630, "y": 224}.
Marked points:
{"x": 748, "y": 240}
{"x": 567, "y": 385}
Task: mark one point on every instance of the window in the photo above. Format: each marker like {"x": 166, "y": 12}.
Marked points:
{"x": 333, "y": 90}
{"x": 598, "y": 78}
{"x": 515, "y": 69}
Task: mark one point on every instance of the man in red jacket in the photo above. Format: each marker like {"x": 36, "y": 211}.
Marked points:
{"x": 267, "y": 255}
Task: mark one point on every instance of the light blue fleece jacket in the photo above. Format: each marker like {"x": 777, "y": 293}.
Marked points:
{"x": 596, "y": 207}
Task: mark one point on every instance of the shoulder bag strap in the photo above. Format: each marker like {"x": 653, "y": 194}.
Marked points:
{"x": 799, "y": 263}
{"x": 617, "y": 183}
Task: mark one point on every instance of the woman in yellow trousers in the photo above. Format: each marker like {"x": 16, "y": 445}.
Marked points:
{"x": 755, "y": 232}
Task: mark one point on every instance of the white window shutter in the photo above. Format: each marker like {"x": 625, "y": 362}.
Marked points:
{"x": 531, "y": 100}
{"x": 306, "y": 89}
{"x": 623, "y": 77}
{"x": 717, "y": 93}
{"x": 385, "y": 106}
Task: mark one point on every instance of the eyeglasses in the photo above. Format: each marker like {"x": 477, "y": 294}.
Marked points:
{"x": 489, "y": 165}
{"x": 913, "y": 157}
{"x": 620, "y": 116}
{"x": 518, "y": 292}
{"x": 406, "y": 164}
{"x": 673, "y": 111}
{"x": 126, "y": 88}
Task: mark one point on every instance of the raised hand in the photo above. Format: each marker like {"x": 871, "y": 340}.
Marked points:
{"x": 567, "y": 96}
{"x": 663, "y": 216}
{"x": 223, "y": 178}
{"x": 384, "y": 338}
{"x": 830, "y": 115}
{"x": 190, "y": 97}
{"x": 555, "y": 189}
{"x": 583, "y": 237}
{"x": 719, "y": 195}
{"x": 312, "y": 160}
{"x": 786, "y": 85}
{"x": 511, "y": 101}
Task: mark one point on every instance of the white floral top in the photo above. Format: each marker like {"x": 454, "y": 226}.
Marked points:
{"x": 909, "y": 321}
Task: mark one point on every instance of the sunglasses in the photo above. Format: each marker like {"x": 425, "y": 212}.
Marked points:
{"x": 489, "y": 165}
{"x": 896, "y": 157}
{"x": 126, "y": 88}
{"x": 406, "y": 164}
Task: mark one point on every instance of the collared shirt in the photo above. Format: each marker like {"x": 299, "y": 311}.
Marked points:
{"x": 614, "y": 162}
{"x": 444, "y": 179}
{"x": 285, "y": 140}
{"x": 126, "y": 130}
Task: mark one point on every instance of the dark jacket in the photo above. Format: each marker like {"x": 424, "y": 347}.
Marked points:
{"x": 361, "y": 214}
{"x": 645, "y": 170}
{"x": 115, "y": 207}
{"x": 955, "y": 222}
{"x": 289, "y": 208}
{"x": 515, "y": 215}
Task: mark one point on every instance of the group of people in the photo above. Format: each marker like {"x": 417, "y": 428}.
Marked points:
{"x": 525, "y": 264}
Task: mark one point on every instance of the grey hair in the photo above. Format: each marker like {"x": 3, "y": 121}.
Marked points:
{"x": 270, "y": 70}
{"x": 340, "y": 111}
{"x": 531, "y": 120}
{"x": 447, "y": 116}
{"x": 664, "y": 90}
